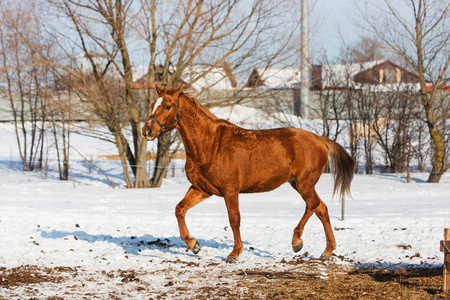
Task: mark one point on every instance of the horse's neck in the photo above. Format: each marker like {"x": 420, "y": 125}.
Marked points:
{"x": 197, "y": 128}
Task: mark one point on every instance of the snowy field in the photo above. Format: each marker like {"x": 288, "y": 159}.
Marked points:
{"x": 86, "y": 225}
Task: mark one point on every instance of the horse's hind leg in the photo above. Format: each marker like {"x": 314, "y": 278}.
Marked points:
{"x": 192, "y": 198}
{"x": 313, "y": 205}
{"x": 297, "y": 242}
{"x": 322, "y": 213}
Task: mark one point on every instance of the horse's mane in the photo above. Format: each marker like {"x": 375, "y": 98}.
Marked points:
{"x": 199, "y": 106}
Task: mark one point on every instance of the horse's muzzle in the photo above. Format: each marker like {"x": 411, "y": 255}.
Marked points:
{"x": 148, "y": 134}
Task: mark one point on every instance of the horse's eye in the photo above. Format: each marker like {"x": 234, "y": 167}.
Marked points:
{"x": 168, "y": 107}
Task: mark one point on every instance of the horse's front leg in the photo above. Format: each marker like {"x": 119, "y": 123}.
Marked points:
{"x": 234, "y": 217}
{"x": 192, "y": 198}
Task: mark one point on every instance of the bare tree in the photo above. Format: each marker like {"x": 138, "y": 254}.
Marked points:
{"x": 60, "y": 114}
{"x": 37, "y": 102}
{"x": 329, "y": 91}
{"x": 23, "y": 80}
{"x": 420, "y": 36}
{"x": 101, "y": 30}
{"x": 364, "y": 50}
{"x": 196, "y": 37}
{"x": 397, "y": 133}
{"x": 177, "y": 35}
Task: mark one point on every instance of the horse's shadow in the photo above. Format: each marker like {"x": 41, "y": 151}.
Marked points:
{"x": 137, "y": 245}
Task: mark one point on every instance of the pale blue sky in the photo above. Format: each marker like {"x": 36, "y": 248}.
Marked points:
{"x": 333, "y": 21}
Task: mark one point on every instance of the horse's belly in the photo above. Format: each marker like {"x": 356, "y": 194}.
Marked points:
{"x": 265, "y": 182}
{"x": 261, "y": 188}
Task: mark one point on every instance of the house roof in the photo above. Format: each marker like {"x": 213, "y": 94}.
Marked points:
{"x": 442, "y": 88}
{"x": 328, "y": 76}
{"x": 274, "y": 78}
{"x": 380, "y": 74}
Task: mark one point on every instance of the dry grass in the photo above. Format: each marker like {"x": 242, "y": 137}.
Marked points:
{"x": 417, "y": 284}
{"x": 301, "y": 280}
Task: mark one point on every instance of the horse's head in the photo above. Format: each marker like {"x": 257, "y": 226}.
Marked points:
{"x": 165, "y": 113}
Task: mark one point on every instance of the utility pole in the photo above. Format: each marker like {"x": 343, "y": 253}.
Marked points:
{"x": 304, "y": 63}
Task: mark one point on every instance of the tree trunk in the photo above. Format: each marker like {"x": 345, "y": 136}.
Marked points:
{"x": 140, "y": 144}
{"x": 438, "y": 144}
{"x": 162, "y": 160}
{"x": 123, "y": 155}
{"x": 141, "y": 180}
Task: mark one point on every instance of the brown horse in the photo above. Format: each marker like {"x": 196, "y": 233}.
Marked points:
{"x": 225, "y": 160}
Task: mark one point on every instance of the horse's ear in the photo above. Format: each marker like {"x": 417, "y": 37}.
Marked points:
{"x": 177, "y": 91}
{"x": 158, "y": 89}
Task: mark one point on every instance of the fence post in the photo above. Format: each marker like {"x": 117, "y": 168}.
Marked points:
{"x": 445, "y": 247}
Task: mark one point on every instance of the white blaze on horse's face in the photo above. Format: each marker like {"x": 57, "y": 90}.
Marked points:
{"x": 146, "y": 130}
{"x": 157, "y": 104}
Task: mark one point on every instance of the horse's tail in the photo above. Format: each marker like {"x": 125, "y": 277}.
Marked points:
{"x": 342, "y": 167}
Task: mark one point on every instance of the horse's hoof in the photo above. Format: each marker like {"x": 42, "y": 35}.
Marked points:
{"x": 326, "y": 257}
{"x": 231, "y": 260}
{"x": 298, "y": 247}
{"x": 196, "y": 248}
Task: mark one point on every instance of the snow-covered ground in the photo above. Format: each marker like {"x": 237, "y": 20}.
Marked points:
{"x": 84, "y": 223}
